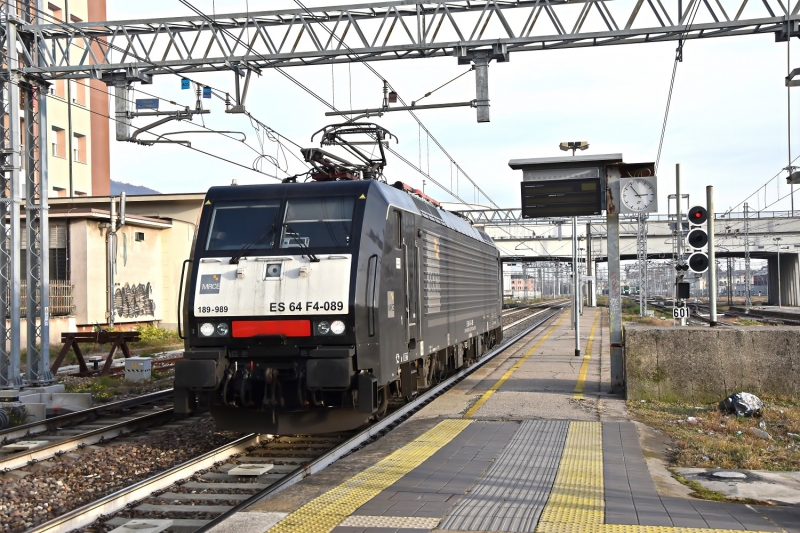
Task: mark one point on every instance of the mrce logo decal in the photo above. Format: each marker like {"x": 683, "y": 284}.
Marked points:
{"x": 209, "y": 283}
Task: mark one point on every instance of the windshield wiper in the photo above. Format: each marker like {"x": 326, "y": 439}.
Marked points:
{"x": 313, "y": 258}
{"x": 235, "y": 259}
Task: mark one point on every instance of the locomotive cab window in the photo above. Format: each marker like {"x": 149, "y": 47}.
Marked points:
{"x": 235, "y": 225}
{"x": 318, "y": 222}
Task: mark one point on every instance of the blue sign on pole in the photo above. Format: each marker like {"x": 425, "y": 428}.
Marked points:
{"x": 147, "y": 103}
{"x": 185, "y": 83}
{"x": 206, "y": 92}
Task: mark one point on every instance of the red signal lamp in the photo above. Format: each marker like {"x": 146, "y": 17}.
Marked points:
{"x": 698, "y": 215}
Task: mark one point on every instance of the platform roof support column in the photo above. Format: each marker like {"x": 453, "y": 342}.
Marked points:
{"x": 614, "y": 295}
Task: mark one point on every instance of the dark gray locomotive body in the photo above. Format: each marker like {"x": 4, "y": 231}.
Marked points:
{"x": 307, "y": 306}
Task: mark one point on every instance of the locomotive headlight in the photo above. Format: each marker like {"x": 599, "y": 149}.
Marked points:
{"x": 222, "y": 329}
{"x": 323, "y": 328}
{"x": 337, "y": 327}
{"x": 207, "y": 329}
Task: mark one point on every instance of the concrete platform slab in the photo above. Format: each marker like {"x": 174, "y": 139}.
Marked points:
{"x": 531, "y": 442}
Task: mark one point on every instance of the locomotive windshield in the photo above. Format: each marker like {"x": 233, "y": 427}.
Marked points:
{"x": 318, "y": 222}
{"x": 237, "y": 225}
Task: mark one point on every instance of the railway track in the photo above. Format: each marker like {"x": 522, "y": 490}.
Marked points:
{"x": 64, "y": 430}
{"x": 517, "y": 315}
{"x": 724, "y": 316}
{"x": 203, "y": 491}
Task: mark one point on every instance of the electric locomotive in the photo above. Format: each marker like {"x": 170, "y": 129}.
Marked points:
{"x": 308, "y": 305}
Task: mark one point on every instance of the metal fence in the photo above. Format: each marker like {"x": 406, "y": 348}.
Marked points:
{"x": 60, "y": 298}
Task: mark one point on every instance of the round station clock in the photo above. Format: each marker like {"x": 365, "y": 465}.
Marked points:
{"x": 638, "y": 195}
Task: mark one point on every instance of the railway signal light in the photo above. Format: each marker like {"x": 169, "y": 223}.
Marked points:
{"x": 698, "y": 262}
{"x": 698, "y": 215}
{"x": 697, "y": 240}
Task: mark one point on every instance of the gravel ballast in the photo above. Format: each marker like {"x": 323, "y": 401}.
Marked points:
{"x": 75, "y": 479}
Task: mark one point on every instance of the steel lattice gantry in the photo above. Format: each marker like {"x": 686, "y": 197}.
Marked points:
{"x": 121, "y": 52}
{"x": 390, "y": 30}
{"x": 24, "y": 178}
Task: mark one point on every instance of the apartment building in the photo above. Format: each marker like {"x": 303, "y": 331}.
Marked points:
{"x": 78, "y": 131}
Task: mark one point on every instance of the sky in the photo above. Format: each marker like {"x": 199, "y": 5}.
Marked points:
{"x": 727, "y": 124}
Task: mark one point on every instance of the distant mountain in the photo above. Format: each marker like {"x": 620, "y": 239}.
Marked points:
{"x": 119, "y": 186}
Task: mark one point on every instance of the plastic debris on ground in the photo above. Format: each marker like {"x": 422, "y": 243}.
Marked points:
{"x": 742, "y": 404}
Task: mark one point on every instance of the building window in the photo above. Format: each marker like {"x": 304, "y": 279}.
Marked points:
{"x": 80, "y": 193}
{"x": 59, "y": 142}
{"x": 79, "y": 148}
{"x": 61, "y": 88}
{"x": 78, "y": 91}
{"x": 59, "y": 192}
{"x": 58, "y": 14}
{"x": 73, "y": 18}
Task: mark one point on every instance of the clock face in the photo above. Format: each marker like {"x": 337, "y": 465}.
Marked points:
{"x": 638, "y": 195}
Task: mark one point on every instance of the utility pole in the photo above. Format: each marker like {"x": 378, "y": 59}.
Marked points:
{"x": 679, "y": 229}
{"x": 730, "y": 286}
{"x": 712, "y": 256}
{"x": 747, "y": 299}
{"x": 114, "y": 223}
{"x": 524, "y": 282}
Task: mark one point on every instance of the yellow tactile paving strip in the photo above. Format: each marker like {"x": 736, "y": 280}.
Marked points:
{"x": 576, "y": 500}
{"x": 577, "y": 494}
{"x": 578, "y": 392}
{"x": 325, "y": 512}
{"x": 494, "y": 388}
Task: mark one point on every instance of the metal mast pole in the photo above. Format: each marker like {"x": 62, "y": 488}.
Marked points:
{"x": 576, "y": 278}
{"x": 679, "y": 229}
{"x": 10, "y": 200}
{"x": 641, "y": 256}
{"x": 591, "y": 287}
{"x": 525, "y": 282}
{"x": 712, "y": 256}
{"x": 36, "y": 221}
{"x": 747, "y": 300}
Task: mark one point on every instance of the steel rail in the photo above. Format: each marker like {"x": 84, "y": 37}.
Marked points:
{"x": 374, "y": 430}
{"x": 86, "y": 514}
{"x": 95, "y": 436}
{"x": 116, "y": 501}
{"x": 33, "y": 428}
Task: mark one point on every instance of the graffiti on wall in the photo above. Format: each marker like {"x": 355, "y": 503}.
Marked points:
{"x": 133, "y": 301}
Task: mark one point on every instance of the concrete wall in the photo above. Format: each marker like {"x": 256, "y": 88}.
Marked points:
{"x": 701, "y": 364}
{"x": 153, "y": 263}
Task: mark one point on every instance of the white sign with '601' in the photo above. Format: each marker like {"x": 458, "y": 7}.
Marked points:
{"x": 680, "y": 312}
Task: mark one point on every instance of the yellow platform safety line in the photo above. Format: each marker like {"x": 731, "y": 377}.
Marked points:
{"x": 494, "y": 388}
{"x": 576, "y": 503}
{"x": 578, "y": 392}
{"x": 325, "y": 512}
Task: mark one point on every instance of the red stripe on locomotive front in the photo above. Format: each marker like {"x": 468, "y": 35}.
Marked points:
{"x": 290, "y": 328}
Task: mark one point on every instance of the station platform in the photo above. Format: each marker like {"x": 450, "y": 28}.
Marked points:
{"x": 531, "y": 442}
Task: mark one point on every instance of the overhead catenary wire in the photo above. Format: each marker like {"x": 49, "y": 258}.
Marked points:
{"x": 216, "y": 92}
{"x": 411, "y": 112}
{"x": 678, "y": 58}
{"x": 327, "y": 104}
{"x": 94, "y": 112}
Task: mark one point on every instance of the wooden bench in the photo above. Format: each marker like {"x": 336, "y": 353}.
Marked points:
{"x": 118, "y": 339}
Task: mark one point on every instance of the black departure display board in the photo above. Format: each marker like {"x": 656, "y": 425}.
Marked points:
{"x": 561, "y": 198}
